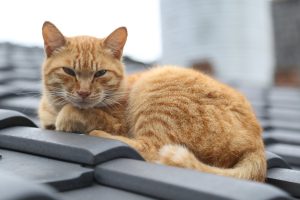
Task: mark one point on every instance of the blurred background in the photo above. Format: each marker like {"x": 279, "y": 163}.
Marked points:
{"x": 247, "y": 42}
{"x": 244, "y": 43}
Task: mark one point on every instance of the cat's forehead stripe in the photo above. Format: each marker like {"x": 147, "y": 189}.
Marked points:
{"x": 92, "y": 51}
{"x": 85, "y": 59}
{"x": 87, "y": 52}
{"x": 92, "y": 64}
{"x": 79, "y": 63}
{"x": 74, "y": 64}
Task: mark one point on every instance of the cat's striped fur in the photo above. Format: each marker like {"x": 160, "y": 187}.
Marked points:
{"x": 170, "y": 115}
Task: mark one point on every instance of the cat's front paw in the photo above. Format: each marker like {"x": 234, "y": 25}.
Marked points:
{"x": 70, "y": 125}
{"x": 68, "y": 120}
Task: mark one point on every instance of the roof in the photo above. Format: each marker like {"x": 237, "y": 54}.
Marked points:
{"x": 42, "y": 164}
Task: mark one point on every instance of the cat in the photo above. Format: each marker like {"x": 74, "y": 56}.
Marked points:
{"x": 170, "y": 115}
{"x": 85, "y": 72}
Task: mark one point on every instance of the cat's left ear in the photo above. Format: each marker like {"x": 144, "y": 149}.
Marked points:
{"x": 53, "y": 38}
{"x": 115, "y": 41}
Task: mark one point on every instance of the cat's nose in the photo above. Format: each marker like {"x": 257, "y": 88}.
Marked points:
{"x": 83, "y": 94}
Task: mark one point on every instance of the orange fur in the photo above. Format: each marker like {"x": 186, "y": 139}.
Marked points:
{"x": 170, "y": 115}
{"x": 85, "y": 56}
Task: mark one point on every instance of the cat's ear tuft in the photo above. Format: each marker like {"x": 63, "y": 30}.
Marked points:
{"x": 53, "y": 38}
{"x": 115, "y": 41}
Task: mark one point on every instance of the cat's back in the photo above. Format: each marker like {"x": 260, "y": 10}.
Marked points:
{"x": 176, "y": 81}
{"x": 185, "y": 93}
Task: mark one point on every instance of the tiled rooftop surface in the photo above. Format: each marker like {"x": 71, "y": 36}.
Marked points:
{"x": 40, "y": 164}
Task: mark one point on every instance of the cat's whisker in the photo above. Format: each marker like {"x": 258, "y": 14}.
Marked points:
{"x": 96, "y": 97}
{"x": 58, "y": 99}
{"x": 110, "y": 103}
{"x": 27, "y": 93}
{"x": 117, "y": 93}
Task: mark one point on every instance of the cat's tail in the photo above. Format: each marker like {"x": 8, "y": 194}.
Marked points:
{"x": 251, "y": 166}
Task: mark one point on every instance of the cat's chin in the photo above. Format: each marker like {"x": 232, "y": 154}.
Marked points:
{"x": 83, "y": 105}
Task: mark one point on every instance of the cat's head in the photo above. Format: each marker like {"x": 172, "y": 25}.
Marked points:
{"x": 84, "y": 71}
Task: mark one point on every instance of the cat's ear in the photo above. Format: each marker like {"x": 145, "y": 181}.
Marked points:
{"x": 115, "y": 41}
{"x": 53, "y": 38}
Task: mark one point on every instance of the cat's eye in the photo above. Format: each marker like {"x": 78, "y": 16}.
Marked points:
{"x": 69, "y": 71}
{"x": 100, "y": 73}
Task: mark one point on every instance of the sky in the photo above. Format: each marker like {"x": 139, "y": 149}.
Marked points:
{"x": 21, "y": 22}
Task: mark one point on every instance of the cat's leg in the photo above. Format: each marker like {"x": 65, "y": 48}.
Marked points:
{"x": 46, "y": 115}
{"x": 73, "y": 119}
{"x": 47, "y": 120}
{"x": 70, "y": 120}
{"x": 146, "y": 147}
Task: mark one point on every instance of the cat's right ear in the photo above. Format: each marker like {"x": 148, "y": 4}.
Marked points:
{"x": 53, "y": 38}
{"x": 115, "y": 41}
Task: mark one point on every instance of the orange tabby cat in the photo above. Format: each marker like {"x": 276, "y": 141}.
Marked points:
{"x": 170, "y": 115}
{"x": 84, "y": 72}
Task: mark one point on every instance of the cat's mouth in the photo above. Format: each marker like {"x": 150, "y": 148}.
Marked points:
{"x": 101, "y": 100}
{"x": 84, "y": 104}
